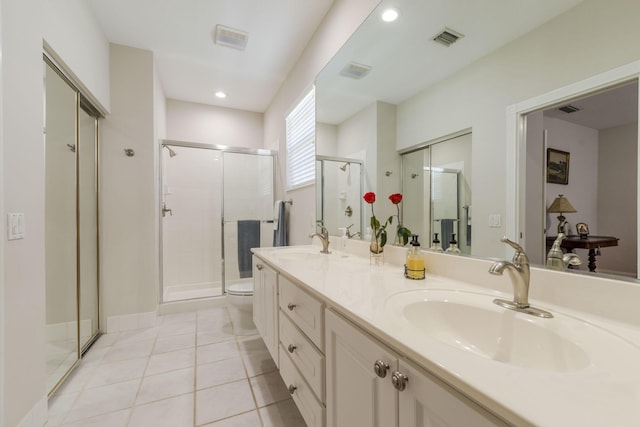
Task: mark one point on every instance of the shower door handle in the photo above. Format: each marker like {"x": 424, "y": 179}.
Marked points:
{"x": 165, "y": 210}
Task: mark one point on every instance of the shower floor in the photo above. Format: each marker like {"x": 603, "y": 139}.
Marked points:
{"x": 191, "y": 291}
{"x": 197, "y": 290}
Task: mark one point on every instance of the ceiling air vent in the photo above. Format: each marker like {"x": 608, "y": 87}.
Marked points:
{"x": 447, "y": 37}
{"x": 569, "y": 109}
{"x": 355, "y": 70}
{"x": 230, "y": 37}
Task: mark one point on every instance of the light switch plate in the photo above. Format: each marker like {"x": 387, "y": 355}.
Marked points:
{"x": 495, "y": 220}
{"x": 15, "y": 226}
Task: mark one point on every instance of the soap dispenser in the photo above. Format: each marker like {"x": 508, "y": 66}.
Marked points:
{"x": 453, "y": 246}
{"x": 435, "y": 244}
{"x": 343, "y": 241}
{"x": 414, "y": 267}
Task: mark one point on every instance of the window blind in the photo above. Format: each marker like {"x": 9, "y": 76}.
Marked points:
{"x": 300, "y": 146}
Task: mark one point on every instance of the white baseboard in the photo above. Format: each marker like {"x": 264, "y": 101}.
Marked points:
{"x": 190, "y": 305}
{"x": 37, "y": 416}
{"x": 129, "y": 322}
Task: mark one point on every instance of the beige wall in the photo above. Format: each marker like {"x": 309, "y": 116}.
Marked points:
{"x": 128, "y": 189}
{"x": 341, "y": 21}
{"x": 188, "y": 121}
{"x": 477, "y": 97}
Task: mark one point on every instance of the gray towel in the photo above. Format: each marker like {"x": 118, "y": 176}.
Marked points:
{"x": 280, "y": 226}
{"x": 248, "y": 237}
{"x": 446, "y": 230}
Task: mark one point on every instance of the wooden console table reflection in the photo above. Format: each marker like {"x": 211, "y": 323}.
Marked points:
{"x": 591, "y": 243}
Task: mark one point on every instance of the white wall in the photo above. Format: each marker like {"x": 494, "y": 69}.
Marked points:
{"x": 326, "y": 139}
{"x": 582, "y": 191}
{"x": 73, "y": 35}
{"x": 617, "y": 197}
{"x": 477, "y": 97}
{"x": 187, "y": 121}
{"x": 340, "y": 22}
{"x": 24, "y": 26}
{"x": 128, "y": 197}
{"x": 24, "y": 375}
{"x": 357, "y": 138}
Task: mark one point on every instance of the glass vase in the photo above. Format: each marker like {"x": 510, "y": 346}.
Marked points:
{"x": 376, "y": 250}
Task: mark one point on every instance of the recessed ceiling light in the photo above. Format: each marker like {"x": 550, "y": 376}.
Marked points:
{"x": 389, "y": 15}
{"x": 220, "y": 94}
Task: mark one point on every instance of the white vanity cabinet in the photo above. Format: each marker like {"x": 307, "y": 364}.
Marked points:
{"x": 265, "y": 305}
{"x": 302, "y": 362}
{"x": 356, "y": 395}
{"x": 370, "y": 385}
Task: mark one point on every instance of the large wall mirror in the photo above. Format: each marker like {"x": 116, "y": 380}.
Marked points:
{"x": 392, "y": 90}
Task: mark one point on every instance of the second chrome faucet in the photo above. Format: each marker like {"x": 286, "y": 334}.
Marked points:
{"x": 518, "y": 270}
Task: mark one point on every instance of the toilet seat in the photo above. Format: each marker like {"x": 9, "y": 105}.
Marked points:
{"x": 242, "y": 289}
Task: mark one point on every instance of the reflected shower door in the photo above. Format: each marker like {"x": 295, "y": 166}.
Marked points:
{"x": 339, "y": 194}
{"x": 191, "y": 223}
{"x": 248, "y": 205}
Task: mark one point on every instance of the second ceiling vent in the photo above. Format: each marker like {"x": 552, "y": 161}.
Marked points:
{"x": 230, "y": 37}
{"x": 447, "y": 37}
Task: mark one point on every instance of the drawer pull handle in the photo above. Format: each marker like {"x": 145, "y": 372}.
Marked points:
{"x": 399, "y": 380}
{"x": 291, "y": 348}
{"x": 380, "y": 367}
{"x": 291, "y": 306}
{"x": 259, "y": 266}
{"x": 292, "y": 389}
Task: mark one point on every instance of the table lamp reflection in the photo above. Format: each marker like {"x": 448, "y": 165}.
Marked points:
{"x": 561, "y": 205}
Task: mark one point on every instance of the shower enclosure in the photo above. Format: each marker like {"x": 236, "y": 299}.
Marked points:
{"x": 339, "y": 193}
{"x": 211, "y": 195}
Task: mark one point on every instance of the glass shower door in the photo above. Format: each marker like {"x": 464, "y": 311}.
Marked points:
{"x": 191, "y": 222}
{"x": 248, "y": 211}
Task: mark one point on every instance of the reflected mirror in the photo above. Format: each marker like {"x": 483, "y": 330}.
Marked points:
{"x": 436, "y": 181}
{"x": 591, "y": 143}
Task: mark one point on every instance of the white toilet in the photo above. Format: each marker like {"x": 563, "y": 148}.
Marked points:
{"x": 240, "y": 298}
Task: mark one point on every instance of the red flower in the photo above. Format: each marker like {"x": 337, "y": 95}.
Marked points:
{"x": 395, "y": 198}
{"x": 370, "y": 197}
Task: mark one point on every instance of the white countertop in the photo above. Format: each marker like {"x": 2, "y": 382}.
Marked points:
{"x": 605, "y": 393}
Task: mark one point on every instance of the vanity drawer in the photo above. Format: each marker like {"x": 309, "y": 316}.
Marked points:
{"x": 304, "y": 355}
{"x": 311, "y": 409}
{"x": 305, "y": 311}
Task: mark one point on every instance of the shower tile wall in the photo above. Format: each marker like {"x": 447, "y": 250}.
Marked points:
{"x": 191, "y": 233}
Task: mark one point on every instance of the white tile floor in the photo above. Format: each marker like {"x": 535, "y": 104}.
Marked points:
{"x": 190, "y": 371}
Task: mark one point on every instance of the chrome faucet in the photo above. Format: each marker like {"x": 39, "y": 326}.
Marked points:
{"x": 324, "y": 238}
{"x": 351, "y": 236}
{"x": 558, "y": 260}
{"x": 518, "y": 270}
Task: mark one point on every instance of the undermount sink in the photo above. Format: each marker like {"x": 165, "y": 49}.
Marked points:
{"x": 472, "y": 323}
{"x": 298, "y": 254}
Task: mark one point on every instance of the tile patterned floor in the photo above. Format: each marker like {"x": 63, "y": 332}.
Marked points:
{"x": 190, "y": 371}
